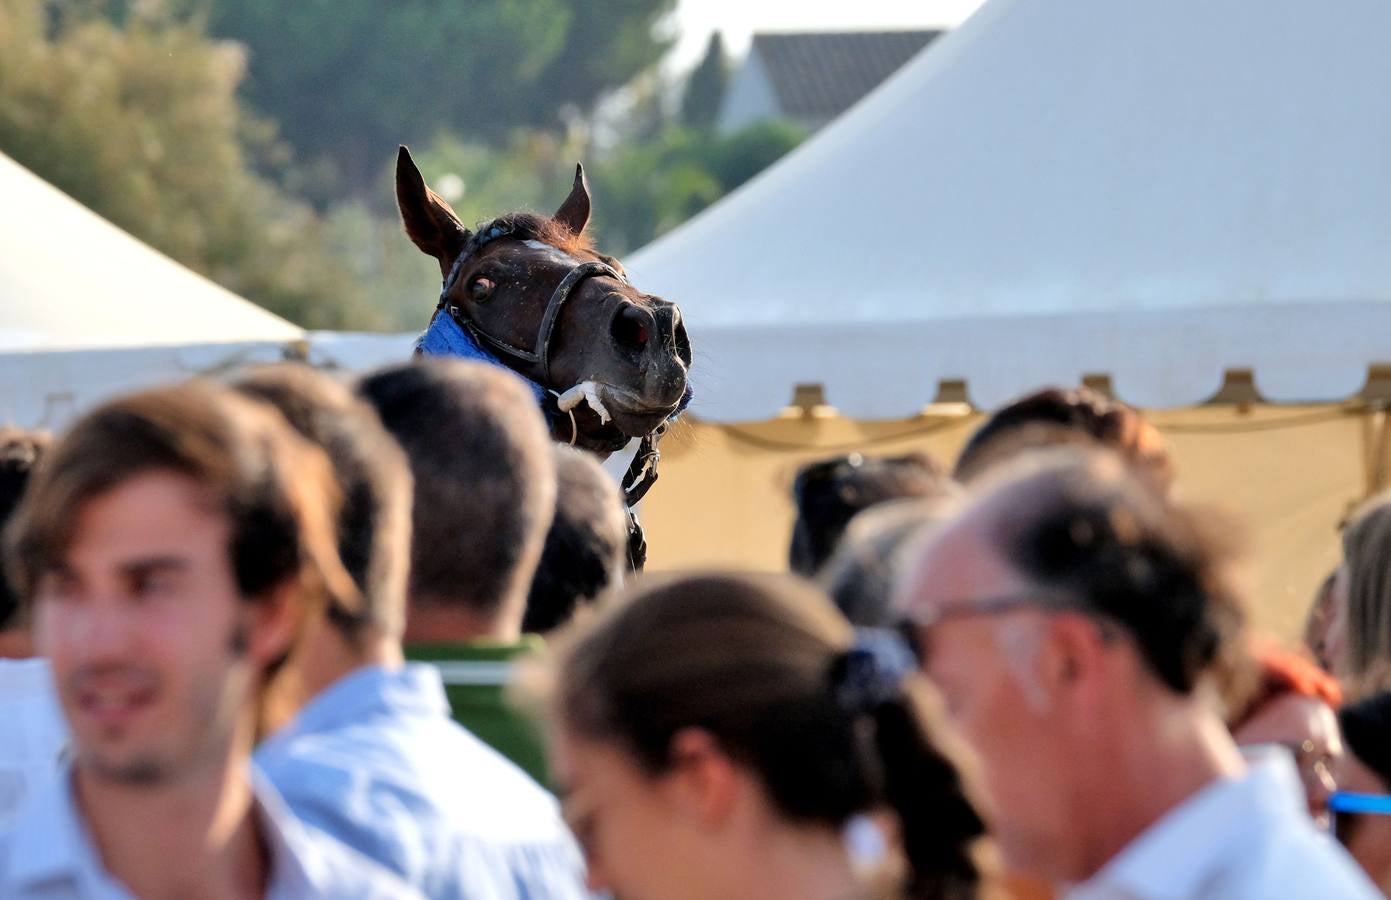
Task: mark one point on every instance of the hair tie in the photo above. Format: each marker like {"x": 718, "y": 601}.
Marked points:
{"x": 872, "y": 671}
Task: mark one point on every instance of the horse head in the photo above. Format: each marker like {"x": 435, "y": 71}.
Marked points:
{"x": 531, "y": 290}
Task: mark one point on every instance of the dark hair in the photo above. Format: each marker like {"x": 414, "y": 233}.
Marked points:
{"x": 1366, "y": 728}
{"x": 375, "y": 517}
{"x": 830, "y": 492}
{"x": 484, "y": 478}
{"x": 1054, "y": 416}
{"x": 585, "y": 548}
{"x": 20, "y": 452}
{"x": 752, "y": 661}
{"x": 1366, "y": 731}
{"x": 275, "y": 490}
{"x": 861, "y": 575}
{"x": 1080, "y": 524}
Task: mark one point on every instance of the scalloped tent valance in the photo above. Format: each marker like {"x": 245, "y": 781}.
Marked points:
{"x": 1155, "y": 191}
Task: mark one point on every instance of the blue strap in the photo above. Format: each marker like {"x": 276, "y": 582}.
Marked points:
{"x": 445, "y": 337}
{"x": 1349, "y": 802}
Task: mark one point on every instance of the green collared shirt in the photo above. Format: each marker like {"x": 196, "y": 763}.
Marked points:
{"x": 476, "y": 674}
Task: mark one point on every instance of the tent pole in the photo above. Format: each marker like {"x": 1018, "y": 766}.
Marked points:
{"x": 1376, "y": 438}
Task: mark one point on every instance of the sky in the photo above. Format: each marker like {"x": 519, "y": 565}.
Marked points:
{"x": 738, "y": 19}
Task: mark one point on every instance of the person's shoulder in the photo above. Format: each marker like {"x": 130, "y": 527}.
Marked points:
{"x": 328, "y": 868}
{"x": 497, "y": 783}
{"x": 311, "y": 862}
{"x": 1293, "y": 859}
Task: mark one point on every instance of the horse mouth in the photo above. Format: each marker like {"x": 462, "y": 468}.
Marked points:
{"x": 628, "y": 416}
{"x": 634, "y": 415}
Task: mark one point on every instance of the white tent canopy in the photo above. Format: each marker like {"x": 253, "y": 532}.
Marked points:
{"x": 86, "y": 310}
{"x": 1157, "y": 191}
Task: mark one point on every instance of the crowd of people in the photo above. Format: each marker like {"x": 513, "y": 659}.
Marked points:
{"x": 292, "y": 636}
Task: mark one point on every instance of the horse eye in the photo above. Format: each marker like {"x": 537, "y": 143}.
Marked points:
{"x": 481, "y": 289}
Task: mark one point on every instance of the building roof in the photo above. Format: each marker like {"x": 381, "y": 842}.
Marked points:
{"x": 818, "y": 76}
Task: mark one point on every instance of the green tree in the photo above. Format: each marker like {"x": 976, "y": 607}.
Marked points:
{"x": 350, "y": 79}
{"x": 139, "y": 120}
{"x": 608, "y": 43}
{"x": 700, "y": 104}
{"x": 645, "y": 190}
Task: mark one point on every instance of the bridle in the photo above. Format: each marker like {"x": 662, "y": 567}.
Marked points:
{"x": 541, "y": 351}
{"x": 642, "y": 472}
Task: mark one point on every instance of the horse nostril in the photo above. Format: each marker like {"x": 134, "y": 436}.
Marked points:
{"x": 682, "y": 342}
{"x": 631, "y": 328}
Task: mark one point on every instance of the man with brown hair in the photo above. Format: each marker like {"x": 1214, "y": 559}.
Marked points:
{"x": 1056, "y": 416}
{"x": 176, "y": 547}
{"x": 373, "y": 757}
{"x": 485, "y": 489}
{"x": 1075, "y": 623}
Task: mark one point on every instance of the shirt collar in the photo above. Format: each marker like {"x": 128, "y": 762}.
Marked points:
{"x": 413, "y": 688}
{"x": 1205, "y": 831}
{"x": 51, "y": 843}
{"x": 294, "y": 871}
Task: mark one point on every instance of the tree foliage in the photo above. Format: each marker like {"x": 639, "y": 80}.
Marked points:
{"x": 700, "y": 104}
{"x": 140, "y": 122}
{"x": 350, "y": 79}
{"x": 640, "y": 190}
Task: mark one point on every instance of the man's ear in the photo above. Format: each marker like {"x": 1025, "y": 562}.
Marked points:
{"x": 703, "y": 781}
{"x": 1075, "y": 657}
{"x": 430, "y": 222}
{"x": 272, "y": 624}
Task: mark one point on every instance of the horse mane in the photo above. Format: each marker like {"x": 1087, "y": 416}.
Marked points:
{"x": 531, "y": 226}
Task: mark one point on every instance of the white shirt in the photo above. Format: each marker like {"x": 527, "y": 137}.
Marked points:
{"x": 34, "y": 734}
{"x": 48, "y": 854}
{"x": 1244, "y": 838}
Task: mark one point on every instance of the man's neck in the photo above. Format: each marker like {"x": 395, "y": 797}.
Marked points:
{"x": 16, "y": 644}
{"x": 196, "y": 837}
{"x": 329, "y": 656}
{"x": 1157, "y": 758}
{"x": 440, "y": 621}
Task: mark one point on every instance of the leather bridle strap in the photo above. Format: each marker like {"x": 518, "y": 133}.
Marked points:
{"x": 541, "y": 352}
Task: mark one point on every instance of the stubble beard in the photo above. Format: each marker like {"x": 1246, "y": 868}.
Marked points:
{"x": 211, "y": 715}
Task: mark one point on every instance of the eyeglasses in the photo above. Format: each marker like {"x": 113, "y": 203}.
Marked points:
{"x": 915, "y": 627}
{"x": 1344, "y": 808}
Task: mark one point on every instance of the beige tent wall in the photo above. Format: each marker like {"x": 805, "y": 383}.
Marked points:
{"x": 1289, "y": 472}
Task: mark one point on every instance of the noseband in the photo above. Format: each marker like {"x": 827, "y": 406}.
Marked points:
{"x": 541, "y": 351}
{"x": 642, "y": 473}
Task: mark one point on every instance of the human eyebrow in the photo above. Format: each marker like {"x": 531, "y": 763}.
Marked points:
{"x": 153, "y": 565}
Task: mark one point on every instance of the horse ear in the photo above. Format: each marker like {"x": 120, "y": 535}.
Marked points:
{"x": 574, "y": 212}
{"x": 430, "y": 222}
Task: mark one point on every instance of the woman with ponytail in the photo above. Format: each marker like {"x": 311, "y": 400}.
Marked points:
{"x": 730, "y": 736}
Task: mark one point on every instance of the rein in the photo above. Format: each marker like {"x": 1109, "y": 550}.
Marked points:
{"x": 642, "y": 472}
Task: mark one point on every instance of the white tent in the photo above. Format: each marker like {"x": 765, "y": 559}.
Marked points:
{"x": 1156, "y": 191}
{"x": 86, "y": 310}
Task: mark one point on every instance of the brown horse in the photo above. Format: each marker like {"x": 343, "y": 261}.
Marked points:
{"x": 608, "y": 362}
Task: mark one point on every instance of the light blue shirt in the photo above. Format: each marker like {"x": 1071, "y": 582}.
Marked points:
{"x": 376, "y": 761}
{"x": 1245, "y": 837}
{"x": 48, "y": 854}
{"x": 34, "y": 736}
